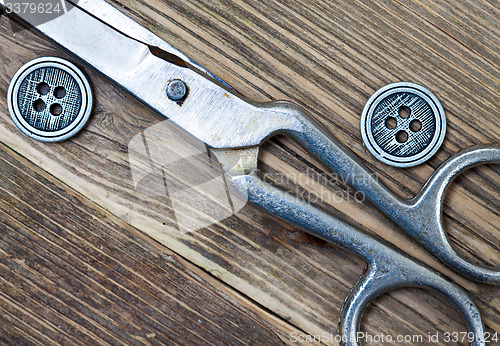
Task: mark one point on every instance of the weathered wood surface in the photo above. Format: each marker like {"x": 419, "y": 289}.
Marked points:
{"x": 76, "y": 266}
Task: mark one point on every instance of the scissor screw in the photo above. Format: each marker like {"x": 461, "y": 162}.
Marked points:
{"x": 176, "y": 90}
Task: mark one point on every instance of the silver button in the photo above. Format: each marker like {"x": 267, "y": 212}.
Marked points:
{"x": 403, "y": 124}
{"x": 49, "y": 99}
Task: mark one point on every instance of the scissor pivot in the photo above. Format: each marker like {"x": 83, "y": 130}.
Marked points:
{"x": 176, "y": 90}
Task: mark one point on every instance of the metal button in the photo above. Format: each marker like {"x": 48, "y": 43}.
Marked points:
{"x": 403, "y": 124}
{"x": 49, "y": 99}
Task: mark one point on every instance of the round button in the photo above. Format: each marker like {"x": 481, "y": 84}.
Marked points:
{"x": 49, "y": 99}
{"x": 403, "y": 124}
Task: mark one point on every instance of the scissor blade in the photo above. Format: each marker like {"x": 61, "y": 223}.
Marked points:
{"x": 211, "y": 112}
{"x": 92, "y": 40}
{"x": 120, "y": 22}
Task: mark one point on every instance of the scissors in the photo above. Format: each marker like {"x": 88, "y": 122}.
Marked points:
{"x": 234, "y": 128}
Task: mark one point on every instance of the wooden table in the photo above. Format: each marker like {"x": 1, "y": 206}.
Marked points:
{"x": 87, "y": 259}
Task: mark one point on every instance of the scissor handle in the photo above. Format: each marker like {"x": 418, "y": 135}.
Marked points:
{"x": 421, "y": 216}
{"x": 387, "y": 268}
{"x": 424, "y": 216}
{"x": 378, "y": 280}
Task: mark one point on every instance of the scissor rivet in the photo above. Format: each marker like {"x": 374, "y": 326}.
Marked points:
{"x": 176, "y": 90}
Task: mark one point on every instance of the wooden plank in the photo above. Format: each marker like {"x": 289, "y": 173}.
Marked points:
{"x": 327, "y": 56}
{"x": 73, "y": 274}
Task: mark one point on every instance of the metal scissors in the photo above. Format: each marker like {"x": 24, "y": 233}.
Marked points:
{"x": 234, "y": 128}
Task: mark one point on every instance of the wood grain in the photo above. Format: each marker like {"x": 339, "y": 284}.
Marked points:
{"x": 249, "y": 278}
{"x": 73, "y": 274}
